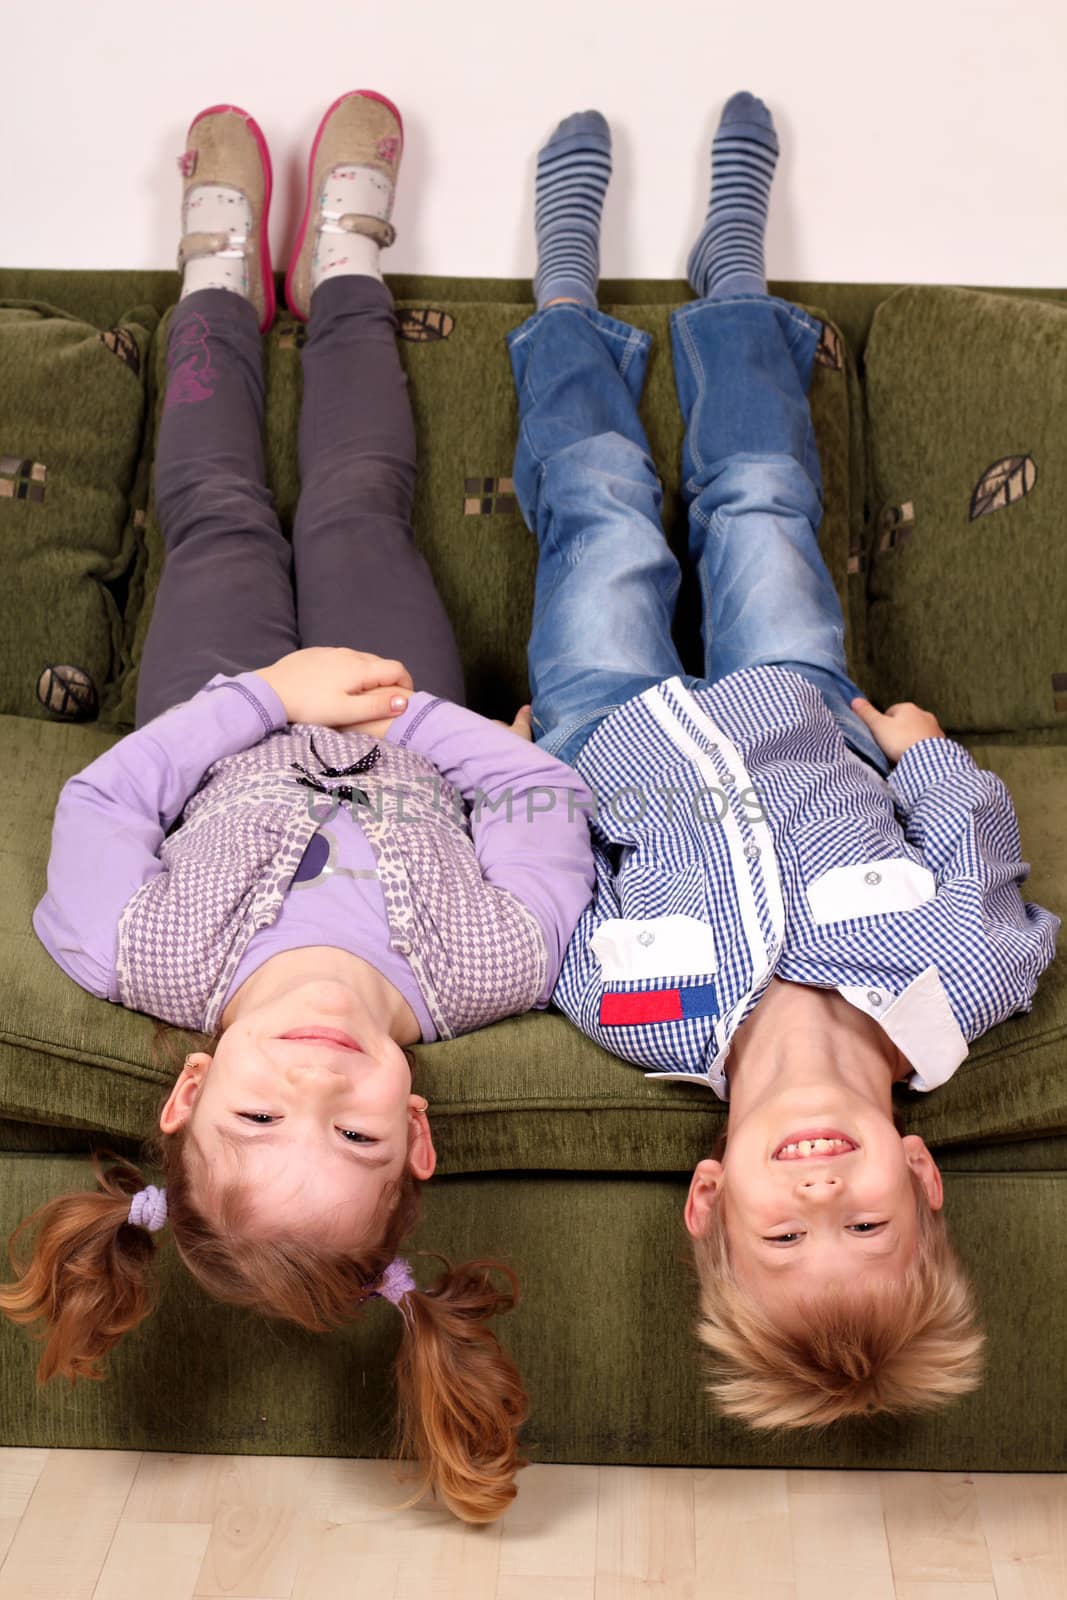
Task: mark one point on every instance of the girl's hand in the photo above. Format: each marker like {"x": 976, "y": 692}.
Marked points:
{"x": 898, "y": 728}
{"x": 338, "y": 688}
{"x": 521, "y": 726}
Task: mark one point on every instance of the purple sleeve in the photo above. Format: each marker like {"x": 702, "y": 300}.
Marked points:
{"x": 112, "y": 818}
{"x": 528, "y": 813}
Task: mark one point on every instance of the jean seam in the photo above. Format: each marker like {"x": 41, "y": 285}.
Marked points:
{"x": 632, "y": 347}
{"x": 697, "y": 367}
{"x": 557, "y": 738}
{"x": 809, "y": 323}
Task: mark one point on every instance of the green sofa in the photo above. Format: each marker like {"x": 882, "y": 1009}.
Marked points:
{"x": 940, "y": 416}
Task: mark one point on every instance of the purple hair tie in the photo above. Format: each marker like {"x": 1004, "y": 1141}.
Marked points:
{"x": 395, "y": 1282}
{"x": 148, "y": 1208}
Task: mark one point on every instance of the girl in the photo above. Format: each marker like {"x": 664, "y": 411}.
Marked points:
{"x": 304, "y": 857}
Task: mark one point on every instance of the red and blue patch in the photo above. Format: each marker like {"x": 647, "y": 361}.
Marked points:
{"x": 658, "y": 1005}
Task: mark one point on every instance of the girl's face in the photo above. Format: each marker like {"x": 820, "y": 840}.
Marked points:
{"x": 306, "y": 1105}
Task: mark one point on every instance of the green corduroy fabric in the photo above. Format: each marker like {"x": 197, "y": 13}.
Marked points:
{"x": 966, "y": 395}
{"x": 101, "y": 297}
{"x": 527, "y": 1092}
{"x": 603, "y": 1339}
{"x": 71, "y": 414}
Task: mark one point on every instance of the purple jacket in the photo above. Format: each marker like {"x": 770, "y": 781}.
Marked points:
{"x": 112, "y": 821}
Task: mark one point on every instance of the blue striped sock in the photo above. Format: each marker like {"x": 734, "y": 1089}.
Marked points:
{"x": 727, "y": 258}
{"x": 573, "y": 169}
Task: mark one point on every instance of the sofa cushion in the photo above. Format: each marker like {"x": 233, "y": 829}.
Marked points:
{"x": 71, "y": 417}
{"x": 466, "y": 518}
{"x": 966, "y": 394}
{"x": 528, "y": 1093}
{"x": 602, "y": 1338}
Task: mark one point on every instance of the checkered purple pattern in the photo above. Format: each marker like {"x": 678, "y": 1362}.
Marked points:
{"x": 476, "y": 952}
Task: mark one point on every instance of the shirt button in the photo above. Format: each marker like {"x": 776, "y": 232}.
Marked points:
{"x": 752, "y": 850}
{"x": 872, "y": 878}
{"x": 402, "y": 947}
{"x": 874, "y": 997}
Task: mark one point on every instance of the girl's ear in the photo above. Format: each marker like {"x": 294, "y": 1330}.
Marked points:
{"x": 925, "y": 1169}
{"x": 179, "y": 1106}
{"x": 422, "y": 1157}
{"x": 703, "y": 1197}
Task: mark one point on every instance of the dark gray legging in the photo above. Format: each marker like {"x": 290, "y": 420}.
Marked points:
{"x": 234, "y": 593}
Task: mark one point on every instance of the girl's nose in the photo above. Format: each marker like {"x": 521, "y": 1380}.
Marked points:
{"x": 308, "y": 1071}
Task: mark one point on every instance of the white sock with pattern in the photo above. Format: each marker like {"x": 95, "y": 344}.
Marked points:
{"x": 216, "y": 208}
{"x": 349, "y": 191}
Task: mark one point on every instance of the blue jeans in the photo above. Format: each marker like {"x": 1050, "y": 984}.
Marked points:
{"x": 607, "y": 580}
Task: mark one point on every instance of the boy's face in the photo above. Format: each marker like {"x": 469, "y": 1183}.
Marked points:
{"x": 802, "y": 1215}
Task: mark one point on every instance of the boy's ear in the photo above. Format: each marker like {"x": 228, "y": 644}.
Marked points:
{"x": 180, "y": 1102}
{"x": 925, "y": 1169}
{"x": 422, "y": 1157}
{"x": 703, "y": 1197}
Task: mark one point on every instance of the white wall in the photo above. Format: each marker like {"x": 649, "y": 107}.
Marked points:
{"x": 923, "y": 140}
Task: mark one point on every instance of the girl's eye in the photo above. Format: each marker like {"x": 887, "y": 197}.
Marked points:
{"x": 356, "y": 1138}
{"x": 866, "y": 1227}
{"x": 782, "y": 1238}
{"x": 260, "y": 1117}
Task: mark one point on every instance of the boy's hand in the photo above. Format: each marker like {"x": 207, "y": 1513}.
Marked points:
{"x": 338, "y": 688}
{"x": 521, "y": 726}
{"x": 898, "y": 728}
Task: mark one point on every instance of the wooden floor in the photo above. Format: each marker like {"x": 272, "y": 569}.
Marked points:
{"x": 103, "y": 1525}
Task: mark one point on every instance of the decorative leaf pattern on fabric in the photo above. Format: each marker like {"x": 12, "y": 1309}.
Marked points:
{"x": 896, "y": 524}
{"x": 828, "y": 351}
{"x": 1002, "y": 484}
{"x": 22, "y": 479}
{"x": 485, "y": 497}
{"x": 67, "y": 692}
{"x": 425, "y": 325}
{"x": 121, "y": 343}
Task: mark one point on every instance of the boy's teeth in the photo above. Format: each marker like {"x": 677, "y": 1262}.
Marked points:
{"x": 815, "y": 1147}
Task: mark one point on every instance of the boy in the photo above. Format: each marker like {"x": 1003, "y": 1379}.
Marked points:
{"x": 780, "y": 911}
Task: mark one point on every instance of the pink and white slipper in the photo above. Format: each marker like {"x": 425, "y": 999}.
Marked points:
{"x": 226, "y": 174}
{"x": 361, "y": 132}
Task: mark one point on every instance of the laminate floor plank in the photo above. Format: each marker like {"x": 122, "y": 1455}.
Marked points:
{"x": 840, "y": 1548}
{"x": 63, "y": 1537}
{"x": 744, "y": 1534}
{"x": 1025, "y": 1524}
{"x": 934, "y": 1528}
{"x": 645, "y": 1538}
{"x": 118, "y": 1525}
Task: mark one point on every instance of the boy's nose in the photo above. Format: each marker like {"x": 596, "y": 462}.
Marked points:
{"x": 818, "y": 1190}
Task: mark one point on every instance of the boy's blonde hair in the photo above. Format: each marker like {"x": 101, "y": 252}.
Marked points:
{"x": 908, "y": 1347}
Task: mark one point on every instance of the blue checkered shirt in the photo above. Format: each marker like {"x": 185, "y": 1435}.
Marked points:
{"x": 737, "y": 838}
